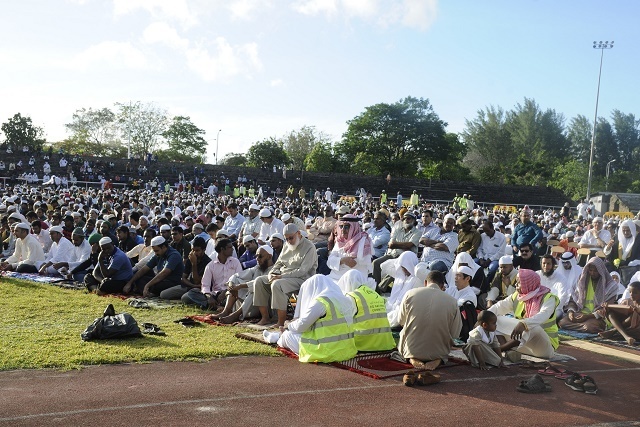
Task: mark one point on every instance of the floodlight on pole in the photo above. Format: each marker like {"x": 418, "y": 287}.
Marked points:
{"x": 602, "y": 46}
{"x": 217, "y": 137}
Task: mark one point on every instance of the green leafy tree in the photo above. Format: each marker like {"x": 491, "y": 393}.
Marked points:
{"x": 452, "y": 169}
{"x": 571, "y": 178}
{"x": 393, "y": 138}
{"x": 93, "y": 131}
{"x": 490, "y": 151}
{"x": 299, "y": 143}
{"x": 579, "y": 136}
{"x": 144, "y": 124}
{"x": 320, "y": 159}
{"x": 20, "y": 131}
{"x": 605, "y": 148}
{"x": 234, "y": 159}
{"x": 185, "y": 140}
{"x": 627, "y": 136}
{"x": 267, "y": 153}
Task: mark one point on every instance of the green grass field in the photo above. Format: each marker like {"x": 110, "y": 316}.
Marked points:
{"x": 40, "y": 327}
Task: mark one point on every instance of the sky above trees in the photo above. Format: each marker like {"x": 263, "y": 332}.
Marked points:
{"x": 260, "y": 68}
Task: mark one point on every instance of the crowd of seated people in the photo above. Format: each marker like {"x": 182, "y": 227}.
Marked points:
{"x": 358, "y": 270}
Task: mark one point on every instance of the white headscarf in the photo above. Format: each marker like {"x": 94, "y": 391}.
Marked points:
{"x": 321, "y": 286}
{"x": 402, "y": 282}
{"x": 461, "y": 258}
{"x": 626, "y": 244}
{"x": 353, "y": 279}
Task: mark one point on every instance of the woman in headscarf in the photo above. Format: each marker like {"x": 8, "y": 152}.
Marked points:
{"x": 403, "y": 281}
{"x": 526, "y": 319}
{"x": 352, "y": 249}
{"x": 353, "y": 279}
{"x": 477, "y": 280}
{"x": 323, "y": 313}
{"x": 595, "y": 287}
{"x": 625, "y": 247}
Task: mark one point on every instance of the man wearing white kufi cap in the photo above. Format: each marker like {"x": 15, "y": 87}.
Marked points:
{"x": 297, "y": 262}
{"x": 28, "y": 251}
{"x": 167, "y": 261}
{"x": 61, "y": 251}
{"x": 112, "y": 270}
{"x": 239, "y": 304}
{"x": 504, "y": 283}
{"x": 270, "y": 225}
{"x": 252, "y": 223}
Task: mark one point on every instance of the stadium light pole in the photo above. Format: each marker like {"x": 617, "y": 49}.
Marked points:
{"x": 217, "y": 138}
{"x": 602, "y": 46}
{"x": 608, "y": 169}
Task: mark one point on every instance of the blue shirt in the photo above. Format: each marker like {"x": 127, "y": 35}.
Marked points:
{"x": 526, "y": 233}
{"x": 171, "y": 260}
{"x": 121, "y": 263}
{"x": 379, "y": 240}
{"x": 248, "y": 260}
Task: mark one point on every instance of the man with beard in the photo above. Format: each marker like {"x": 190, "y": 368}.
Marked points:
{"x": 440, "y": 245}
{"x": 404, "y": 238}
{"x": 504, "y": 283}
{"x": 585, "y": 312}
{"x": 553, "y": 279}
{"x": 527, "y": 232}
{"x": 625, "y": 247}
{"x": 570, "y": 270}
{"x": 597, "y": 237}
{"x": 353, "y": 249}
{"x": 323, "y": 227}
{"x": 241, "y": 289}
{"x": 297, "y": 262}
{"x": 193, "y": 272}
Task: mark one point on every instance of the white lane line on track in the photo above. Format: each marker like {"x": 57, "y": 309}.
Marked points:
{"x": 259, "y": 396}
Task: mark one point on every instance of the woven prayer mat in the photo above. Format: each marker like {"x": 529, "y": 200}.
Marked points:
{"x": 616, "y": 343}
{"x": 576, "y": 334}
{"x": 33, "y": 277}
{"x": 378, "y": 365}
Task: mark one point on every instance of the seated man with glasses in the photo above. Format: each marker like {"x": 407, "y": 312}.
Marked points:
{"x": 527, "y": 258}
{"x": 596, "y": 238}
{"x": 297, "y": 262}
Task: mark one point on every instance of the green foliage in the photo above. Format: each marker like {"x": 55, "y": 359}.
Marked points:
{"x": 40, "y": 328}
{"x": 579, "y": 136}
{"x": 393, "y": 138}
{"x": 267, "y": 153}
{"x": 144, "y": 124}
{"x": 627, "y": 136}
{"x": 20, "y": 131}
{"x": 571, "y": 178}
{"x": 320, "y": 159}
{"x": 185, "y": 139}
{"x": 234, "y": 159}
{"x": 93, "y": 132}
{"x": 298, "y": 144}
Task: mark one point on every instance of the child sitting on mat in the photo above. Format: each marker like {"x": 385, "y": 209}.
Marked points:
{"x": 483, "y": 347}
{"x": 625, "y": 317}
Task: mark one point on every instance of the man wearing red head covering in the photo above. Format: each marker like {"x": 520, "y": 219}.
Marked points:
{"x": 353, "y": 249}
{"x": 595, "y": 287}
{"x": 532, "y": 329}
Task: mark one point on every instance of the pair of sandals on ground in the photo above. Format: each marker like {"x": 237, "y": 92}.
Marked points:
{"x": 573, "y": 380}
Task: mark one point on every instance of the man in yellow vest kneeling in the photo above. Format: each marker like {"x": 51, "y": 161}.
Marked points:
{"x": 532, "y": 330}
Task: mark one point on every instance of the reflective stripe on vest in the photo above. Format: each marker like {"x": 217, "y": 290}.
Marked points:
{"x": 371, "y": 329}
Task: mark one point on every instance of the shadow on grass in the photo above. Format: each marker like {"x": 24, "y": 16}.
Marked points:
{"x": 145, "y": 341}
